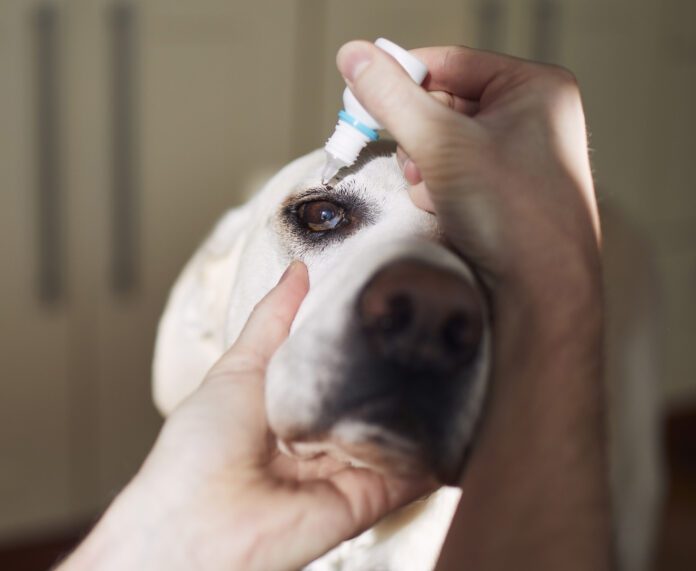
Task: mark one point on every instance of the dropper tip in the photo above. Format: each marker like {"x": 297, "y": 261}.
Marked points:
{"x": 331, "y": 169}
{"x": 328, "y": 174}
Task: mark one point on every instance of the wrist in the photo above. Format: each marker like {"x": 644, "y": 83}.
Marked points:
{"x": 125, "y": 537}
{"x": 148, "y": 527}
{"x": 558, "y": 275}
{"x": 537, "y": 479}
{"x": 548, "y": 334}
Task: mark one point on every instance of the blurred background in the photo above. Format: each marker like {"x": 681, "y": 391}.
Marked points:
{"x": 128, "y": 127}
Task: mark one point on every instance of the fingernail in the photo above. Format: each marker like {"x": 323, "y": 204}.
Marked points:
{"x": 412, "y": 173}
{"x": 287, "y": 272}
{"x": 352, "y": 59}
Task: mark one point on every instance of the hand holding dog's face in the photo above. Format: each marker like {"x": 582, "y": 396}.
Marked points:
{"x": 247, "y": 495}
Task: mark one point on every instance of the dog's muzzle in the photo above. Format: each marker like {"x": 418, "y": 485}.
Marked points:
{"x": 399, "y": 386}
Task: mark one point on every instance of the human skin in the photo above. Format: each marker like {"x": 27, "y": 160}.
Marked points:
{"x": 503, "y": 163}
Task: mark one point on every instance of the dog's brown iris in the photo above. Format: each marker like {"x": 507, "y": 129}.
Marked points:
{"x": 320, "y": 215}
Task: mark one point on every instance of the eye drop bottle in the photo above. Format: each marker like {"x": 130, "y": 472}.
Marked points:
{"x": 356, "y": 127}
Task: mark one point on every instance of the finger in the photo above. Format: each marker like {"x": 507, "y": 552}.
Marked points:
{"x": 421, "y": 197}
{"x": 372, "y": 495}
{"x": 458, "y": 104}
{"x": 352, "y": 500}
{"x": 231, "y": 398}
{"x": 269, "y": 323}
{"x": 464, "y": 72}
{"x": 412, "y": 173}
{"x": 391, "y": 96}
{"x": 409, "y": 169}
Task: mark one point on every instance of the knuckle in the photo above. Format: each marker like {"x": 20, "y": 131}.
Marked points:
{"x": 240, "y": 361}
{"x": 564, "y": 76}
{"x": 447, "y": 99}
{"x": 451, "y": 58}
{"x": 278, "y": 321}
{"x": 558, "y": 76}
{"x": 553, "y": 87}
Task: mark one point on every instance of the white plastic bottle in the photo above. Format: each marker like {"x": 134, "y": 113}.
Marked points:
{"x": 356, "y": 127}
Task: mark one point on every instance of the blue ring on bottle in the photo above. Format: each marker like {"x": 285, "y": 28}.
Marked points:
{"x": 364, "y": 129}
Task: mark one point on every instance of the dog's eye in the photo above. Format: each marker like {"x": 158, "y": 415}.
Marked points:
{"x": 321, "y": 215}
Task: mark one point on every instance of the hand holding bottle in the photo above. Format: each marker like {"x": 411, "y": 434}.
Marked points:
{"x": 503, "y": 162}
{"x": 498, "y": 151}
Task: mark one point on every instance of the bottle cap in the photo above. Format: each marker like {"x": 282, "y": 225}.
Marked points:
{"x": 413, "y": 66}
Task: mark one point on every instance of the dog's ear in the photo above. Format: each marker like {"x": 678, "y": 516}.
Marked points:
{"x": 190, "y": 337}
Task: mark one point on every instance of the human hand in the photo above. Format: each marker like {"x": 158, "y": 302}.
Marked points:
{"x": 498, "y": 151}
{"x": 215, "y": 493}
{"x": 503, "y": 162}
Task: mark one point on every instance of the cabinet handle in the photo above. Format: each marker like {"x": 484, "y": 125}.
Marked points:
{"x": 49, "y": 191}
{"x": 546, "y": 37}
{"x": 124, "y": 199}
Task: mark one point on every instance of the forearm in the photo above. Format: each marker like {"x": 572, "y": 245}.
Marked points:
{"x": 537, "y": 498}
{"x": 124, "y": 538}
{"x": 155, "y": 524}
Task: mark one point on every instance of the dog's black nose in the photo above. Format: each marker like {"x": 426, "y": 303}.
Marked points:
{"x": 420, "y": 317}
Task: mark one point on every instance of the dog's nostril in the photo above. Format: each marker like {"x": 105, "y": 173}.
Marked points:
{"x": 420, "y": 317}
{"x": 460, "y": 335}
{"x": 398, "y": 315}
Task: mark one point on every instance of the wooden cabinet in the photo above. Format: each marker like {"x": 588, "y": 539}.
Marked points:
{"x": 36, "y": 333}
{"x": 126, "y": 130}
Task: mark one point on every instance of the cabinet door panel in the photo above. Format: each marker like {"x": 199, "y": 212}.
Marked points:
{"x": 214, "y": 94}
{"x": 35, "y": 332}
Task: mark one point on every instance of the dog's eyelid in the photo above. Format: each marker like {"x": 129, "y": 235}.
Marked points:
{"x": 345, "y": 189}
{"x": 357, "y": 212}
{"x": 320, "y": 193}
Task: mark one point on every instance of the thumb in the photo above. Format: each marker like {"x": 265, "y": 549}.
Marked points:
{"x": 269, "y": 323}
{"x": 223, "y": 423}
{"x": 388, "y": 93}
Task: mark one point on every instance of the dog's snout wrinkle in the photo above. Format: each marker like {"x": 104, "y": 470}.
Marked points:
{"x": 420, "y": 317}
